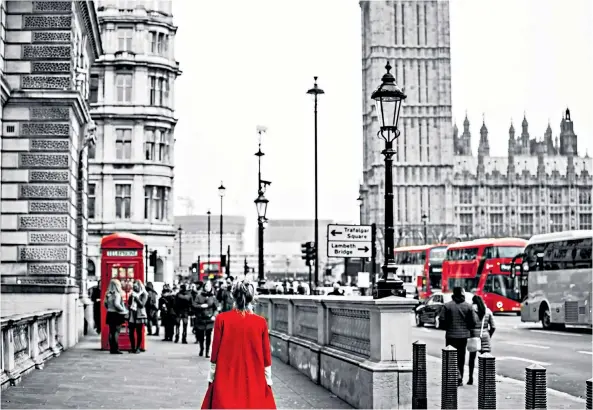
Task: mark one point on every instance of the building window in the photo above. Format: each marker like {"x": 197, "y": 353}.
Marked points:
{"x": 525, "y": 196}
{"x": 94, "y": 89}
{"x": 466, "y": 224}
{"x": 496, "y": 223}
{"x": 496, "y": 196}
{"x": 124, "y": 39}
{"x": 159, "y": 90}
{"x": 526, "y": 224}
{"x": 123, "y": 201}
{"x": 124, "y": 87}
{"x": 466, "y": 196}
{"x": 123, "y": 143}
{"x": 163, "y": 146}
{"x": 159, "y": 43}
{"x": 149, "y": 145}
{"x": 556, "y": 196}
{"x": 556, "y": 222}
{"x": 92, "y": 200}
{"x": 156, "y": 202}
{"x": 585, "y": 221}
{"x": 584, "y": 196}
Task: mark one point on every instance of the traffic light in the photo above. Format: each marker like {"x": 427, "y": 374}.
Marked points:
{"x": 308, "y": 252}
{"x": 223, "y": 261}
{"x": 245, "y": 267}
{"x": 194, "y": 267}
{"x": 152, "y": 258}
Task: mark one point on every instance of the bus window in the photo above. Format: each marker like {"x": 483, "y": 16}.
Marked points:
{"x": 469, "y": 284}
{"x": 504, "y": 286}
{"x": 493, "y": 252}
{"x": 437, "y": 255}
{"x": 464, "y": 254}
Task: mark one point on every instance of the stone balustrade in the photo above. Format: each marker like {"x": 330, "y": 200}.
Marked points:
{"x": 28, "y": 341}
{"x": 358, "y": 348}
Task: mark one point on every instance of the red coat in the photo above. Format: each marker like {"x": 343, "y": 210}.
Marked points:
{"x": 241, "y": 351}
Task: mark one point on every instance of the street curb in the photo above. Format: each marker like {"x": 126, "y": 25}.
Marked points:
{"x": 499, "y": 378}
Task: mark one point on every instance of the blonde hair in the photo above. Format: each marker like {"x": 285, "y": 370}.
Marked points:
{"x": 244, "y": 294}
{"x": 140, "y": 285}
{"x": 115, "y": 287}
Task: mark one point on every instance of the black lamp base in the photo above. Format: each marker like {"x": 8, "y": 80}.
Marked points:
{"x": 387, "y": 287}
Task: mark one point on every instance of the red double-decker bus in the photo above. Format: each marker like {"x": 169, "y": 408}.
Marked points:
{"x": 483, "y": 267}
{"x": 420, "y": 268}
{"x": 210, "y": 271}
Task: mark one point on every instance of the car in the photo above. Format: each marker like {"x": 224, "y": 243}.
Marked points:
{"x": 428, "y": 311}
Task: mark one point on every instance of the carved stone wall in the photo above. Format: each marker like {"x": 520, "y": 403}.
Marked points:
{"x": 42, "y": 134}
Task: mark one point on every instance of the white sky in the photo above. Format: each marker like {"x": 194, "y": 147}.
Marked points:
{"x": 251, "y": 62}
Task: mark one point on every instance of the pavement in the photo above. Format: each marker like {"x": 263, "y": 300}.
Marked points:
{"x": 565, "y": 354}
{"x": 167, "y": 375}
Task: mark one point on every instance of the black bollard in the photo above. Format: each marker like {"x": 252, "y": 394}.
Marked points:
{"x": 589, "y": 394}
{"x": 536, "y": 394}
{"x": 419, "y": 400}
{"x": 487, "y": 382}
{"x": 449, "y": 376}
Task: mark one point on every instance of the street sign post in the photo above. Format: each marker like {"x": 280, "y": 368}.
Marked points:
{"x": 349, "y": 241}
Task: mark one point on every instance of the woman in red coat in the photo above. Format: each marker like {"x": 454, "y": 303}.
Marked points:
{"x": 241, "y": 363}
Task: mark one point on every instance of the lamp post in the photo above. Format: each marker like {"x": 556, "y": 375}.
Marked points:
{"x": 208, "y": 260}
{"x": 424, "y": 220}
{"x": 315, "y": 91}
{"x": 221, "y": 191}
{"x": 261, "y": 204}
{"x": 360, "y": 201}
{"x": 388, "y": 99}
{"x": 179, "y": 231}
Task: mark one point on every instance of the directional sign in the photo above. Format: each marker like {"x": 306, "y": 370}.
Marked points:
{"x": 349, "y": 241}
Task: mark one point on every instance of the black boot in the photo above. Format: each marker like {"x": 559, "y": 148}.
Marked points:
{"x": 176, "y": 338}
{"x": 201, "y": 348}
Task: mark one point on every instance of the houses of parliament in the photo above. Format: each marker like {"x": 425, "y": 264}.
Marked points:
{"x": 542, "y": 185}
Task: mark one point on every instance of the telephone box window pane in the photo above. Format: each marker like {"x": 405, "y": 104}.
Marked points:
{"x": 122, "y": 273}
{"x": 130, "y": 272}
{"x": 114, "y": 272}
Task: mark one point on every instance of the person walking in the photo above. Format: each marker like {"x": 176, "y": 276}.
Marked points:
{"x": 95, "y": 297}
{"x": 168, "y": 317}
{"x": 137, "y": 317}
{"x": 224, "y": 297}
{"x": 205, "y": 311}
{"x": 182, "y": 309}
{"x": 241, "y": 360}
{"x": 457, "y": 317}
{"x": 116, "y": 313}
{"x": 336, "y": 291}
{"x": 484, "y": 331}
{"x": 152, "y": 310}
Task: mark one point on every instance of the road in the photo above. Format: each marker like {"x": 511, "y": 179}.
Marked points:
{"x": 565, "y": 354}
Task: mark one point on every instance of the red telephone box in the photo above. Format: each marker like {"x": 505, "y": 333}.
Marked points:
{"x": 122, "y": 257}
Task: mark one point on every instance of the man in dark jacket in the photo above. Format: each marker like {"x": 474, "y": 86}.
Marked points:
{"x": 152, "y": 310}
{"x": 224, "y": 298}
{"x": 167, "y": 308}
{"x": 336, "y": 291}
{"x": 182, "y": 308}
{"x": 458, "y": 319}
{"x": 96, "y": 299}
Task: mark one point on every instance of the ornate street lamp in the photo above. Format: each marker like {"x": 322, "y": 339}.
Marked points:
{"x": 388, "y": 101}
{"x": 221, "y": 191}
{"x": 424, "y": 221}
{"x": 261, "y": 204}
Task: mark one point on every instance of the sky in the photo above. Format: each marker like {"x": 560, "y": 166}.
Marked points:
{"x": 250, "y": 63}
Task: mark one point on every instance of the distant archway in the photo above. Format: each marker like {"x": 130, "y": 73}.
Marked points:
{"x": 159, "y": 271}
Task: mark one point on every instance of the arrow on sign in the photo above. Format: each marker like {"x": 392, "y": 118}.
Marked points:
{"x": 365, "y": 249}
{"x": 334, "y": 233}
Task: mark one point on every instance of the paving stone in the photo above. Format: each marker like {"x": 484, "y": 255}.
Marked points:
{"x": 167, "y": 375}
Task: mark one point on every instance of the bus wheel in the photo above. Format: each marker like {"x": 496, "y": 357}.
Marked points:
{"x": 418, "y": 320}
{"x": 545, "y": 317}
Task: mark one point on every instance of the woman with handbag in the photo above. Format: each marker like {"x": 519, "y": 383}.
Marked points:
{"x": 116, "y": 313}
{"x": 138, "y": 316}
{"x": 481, "y": 335}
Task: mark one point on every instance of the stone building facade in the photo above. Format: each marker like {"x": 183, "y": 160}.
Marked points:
{"x": 132, "y": 96}
{"x": 541, "y": 186}
{"x": 48, "y": 48}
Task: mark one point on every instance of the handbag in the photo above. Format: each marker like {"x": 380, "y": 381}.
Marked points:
{"x": 474, "y": 344}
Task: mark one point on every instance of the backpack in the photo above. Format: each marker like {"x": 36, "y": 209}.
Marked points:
{"x": 152, "y": 300}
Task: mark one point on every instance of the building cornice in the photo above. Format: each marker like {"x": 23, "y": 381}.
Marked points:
{"x": 129, "y": 58}
{"x": 131, "y": 18}
{"x": 57, "y": 98}
{"x": 102, "y": 115}
{"x": 91, "y": 24}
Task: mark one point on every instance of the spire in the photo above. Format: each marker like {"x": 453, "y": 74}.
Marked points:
{"x": 466, "y": 123}
{"x": 512, "y": 129}
{"x": 484, "y": 146}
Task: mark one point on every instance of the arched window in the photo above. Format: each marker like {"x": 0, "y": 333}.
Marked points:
{"x": 91, "y": 270}
{"x": 159, "y": 271}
